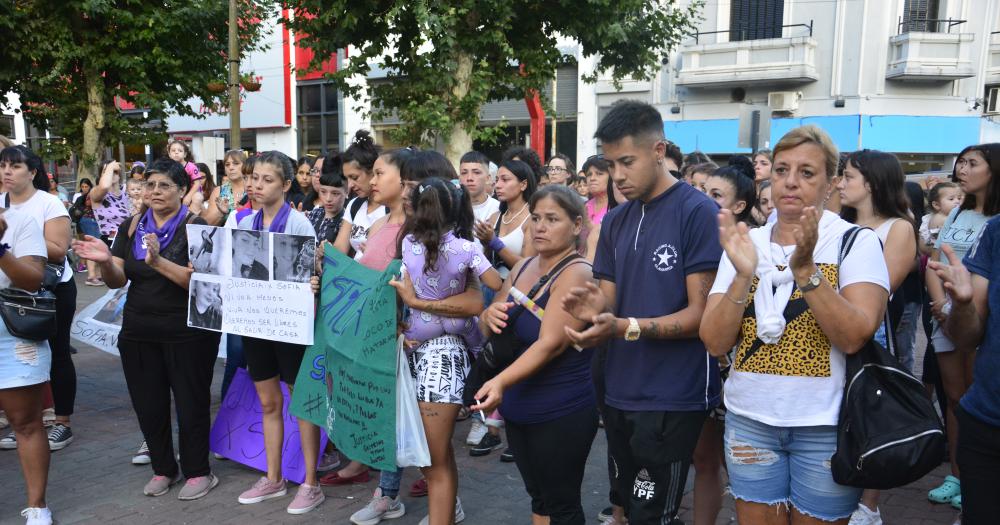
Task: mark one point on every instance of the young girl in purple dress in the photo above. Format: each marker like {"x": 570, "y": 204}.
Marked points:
{"x": 438, "y": 252}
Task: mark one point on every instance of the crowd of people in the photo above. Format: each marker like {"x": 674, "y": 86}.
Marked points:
{"x": 701, "y": 314}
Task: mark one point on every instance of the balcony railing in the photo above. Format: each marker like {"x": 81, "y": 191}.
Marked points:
{"x": 743, "y": 33}
{"x": 743, "y": 62}
{"x": 925, "y": 25}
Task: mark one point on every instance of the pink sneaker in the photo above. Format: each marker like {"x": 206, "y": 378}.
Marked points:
{"x": 264, "y": 489}
{"x": 306, "y": 499}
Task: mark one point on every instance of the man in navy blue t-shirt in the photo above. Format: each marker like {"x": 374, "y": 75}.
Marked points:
{"x": 975, "y": 321}
{"x": 655, "y": 263}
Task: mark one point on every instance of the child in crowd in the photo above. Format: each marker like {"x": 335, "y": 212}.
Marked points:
{"x": 134, "y": 189}
{"x": 437, "y": 249}
{"x": 943, "y": 198}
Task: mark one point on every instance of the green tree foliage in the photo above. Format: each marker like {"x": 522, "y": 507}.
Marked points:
{"x": 446, "y": 58}
{"x": 70, "y": 60}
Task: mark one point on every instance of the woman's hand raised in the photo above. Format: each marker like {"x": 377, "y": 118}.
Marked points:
{"x": 806, "y": 235}
{"x": 735, "y": 240}
{"x": 92, "y": 249}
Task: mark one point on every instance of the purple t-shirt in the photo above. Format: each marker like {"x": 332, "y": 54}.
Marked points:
{"x": 455, "y": 257}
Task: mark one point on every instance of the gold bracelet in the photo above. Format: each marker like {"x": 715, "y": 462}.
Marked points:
{"x": 744, "y": 301}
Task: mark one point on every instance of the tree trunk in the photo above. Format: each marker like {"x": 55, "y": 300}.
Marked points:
{"x": 459, "y": 140}
{"x": 93, "y": 128}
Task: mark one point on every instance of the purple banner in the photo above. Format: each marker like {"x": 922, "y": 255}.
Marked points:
{"x": 238, "y": 432}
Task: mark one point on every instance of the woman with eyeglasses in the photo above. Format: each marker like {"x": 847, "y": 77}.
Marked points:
{"x": 161, "y": 357}
{"x": 559, "y": 169}
{"x": 110, "y": 204}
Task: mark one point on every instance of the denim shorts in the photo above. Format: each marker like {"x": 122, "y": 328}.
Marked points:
{"x": 786, "y": 465}
{"x": 88, "y": 226}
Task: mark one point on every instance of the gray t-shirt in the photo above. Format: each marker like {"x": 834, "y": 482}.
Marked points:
{"x": 298, "y": 223}
{"x": 960, "y": 231}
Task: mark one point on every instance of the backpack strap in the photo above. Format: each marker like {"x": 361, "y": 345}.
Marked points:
{"x": 846, "y": 243}
{"x": 355, "y": 206}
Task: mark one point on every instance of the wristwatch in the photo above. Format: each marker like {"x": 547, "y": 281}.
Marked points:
{"x": 633, "y": 331}
{"x": 813, "y": 282}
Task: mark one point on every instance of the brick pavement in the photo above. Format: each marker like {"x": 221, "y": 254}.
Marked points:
{"x": 93, "y": 481}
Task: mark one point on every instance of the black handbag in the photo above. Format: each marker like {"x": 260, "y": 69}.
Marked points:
{"x": 888, "y": 432}
{"x": 27, "y": 315}
{"x": 503, "y": 349}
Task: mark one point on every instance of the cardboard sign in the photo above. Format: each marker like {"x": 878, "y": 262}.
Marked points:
{"x": 238, "y": 431}
{"x": 358, "y": 324}
{"x": 251, "y": 283}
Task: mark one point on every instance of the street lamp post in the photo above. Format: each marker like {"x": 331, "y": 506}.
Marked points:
{"x": 235, "y": 141}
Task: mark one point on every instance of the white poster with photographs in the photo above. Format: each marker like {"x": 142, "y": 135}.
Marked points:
{"x": 251, "y": 283}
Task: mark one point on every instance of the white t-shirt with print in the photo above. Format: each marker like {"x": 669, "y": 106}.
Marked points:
{"x": 786, "y": 385}
{"x": 43, "y": 207}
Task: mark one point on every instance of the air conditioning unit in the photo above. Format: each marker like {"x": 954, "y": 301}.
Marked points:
{"x": 992, "y": 102}
{"x": 784, "y": 101}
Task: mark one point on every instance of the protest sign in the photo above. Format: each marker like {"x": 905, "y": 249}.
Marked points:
{"x": 238, "y": 432}
{"x": 251, "y": 283}
{"x": 309, "y": 397}
{"x": 99, "y": 323}
{"x": 358, "y": 324}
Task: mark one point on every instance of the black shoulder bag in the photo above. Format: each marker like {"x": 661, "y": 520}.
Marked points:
{"x": 888, "y": 432}
{"x": 502, "y": 349}
{"x": 27, "y": 315}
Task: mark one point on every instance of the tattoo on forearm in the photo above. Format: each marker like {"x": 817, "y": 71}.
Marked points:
{"x": 657, "y": 331}
{"x": 707, "y": 280}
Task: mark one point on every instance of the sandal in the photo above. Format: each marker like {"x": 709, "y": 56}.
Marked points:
{"x": 463, "y": 414}
{"x": 93, "y": 281}
{"x": 947, "y": 491}
{"x": 419, "y": 488}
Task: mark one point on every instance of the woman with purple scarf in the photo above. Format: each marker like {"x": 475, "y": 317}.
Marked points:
{"x": 160, "y": 354}
{"x": 270, "y": 363}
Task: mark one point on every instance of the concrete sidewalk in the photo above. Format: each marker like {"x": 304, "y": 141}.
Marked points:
{"x": 93, "y": 480}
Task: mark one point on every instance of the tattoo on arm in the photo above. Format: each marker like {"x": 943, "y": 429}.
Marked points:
{"x": 707, "y": 280}
{"x": 657, "y": 331}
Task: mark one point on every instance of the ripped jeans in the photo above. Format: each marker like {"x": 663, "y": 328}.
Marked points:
{"x": 790, "y": 465}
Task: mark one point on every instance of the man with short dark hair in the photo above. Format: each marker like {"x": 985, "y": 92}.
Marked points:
{"x": 474, "y": 175}
{"x": 655, "y": 263}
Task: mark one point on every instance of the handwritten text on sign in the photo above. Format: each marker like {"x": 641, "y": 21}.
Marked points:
{"x": 238, "y": 432}
{"x": 358, "y": 323}
{"x": 272, "y": 310}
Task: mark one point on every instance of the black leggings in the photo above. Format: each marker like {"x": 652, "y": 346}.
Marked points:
{"x": 978, "y": 457}
{"x": 551, "y": 458}
{"x": 63, "y": 373}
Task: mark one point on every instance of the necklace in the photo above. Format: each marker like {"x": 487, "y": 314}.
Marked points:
{"x": 504, "y": 219}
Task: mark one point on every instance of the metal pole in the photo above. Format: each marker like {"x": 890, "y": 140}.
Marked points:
{"x": 553, "y": 150}
{"x": 345, "y": 134}
{"x": 235, "y": 141}
{"x": 754, "y": 130}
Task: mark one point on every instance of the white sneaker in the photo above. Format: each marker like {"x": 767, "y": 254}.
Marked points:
{"x": 37, "y": 516}
{"x": 9, "y": 442}
{"x": 141, "y": 457}
{"x": 379, "y": 508}
{"x": 477, "y": 432}
{"x": 459, "y": 514}
{"x": 864, "y": 516}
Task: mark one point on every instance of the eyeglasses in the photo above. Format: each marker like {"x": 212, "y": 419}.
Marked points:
{"x": 313, "y": 171}
{"x": 162, "y": 186}
{"x": 555, "y": 169}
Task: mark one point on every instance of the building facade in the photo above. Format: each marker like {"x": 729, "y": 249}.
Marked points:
{"x": 917, "y": 78}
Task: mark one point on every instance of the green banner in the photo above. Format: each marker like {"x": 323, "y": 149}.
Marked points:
{"x": 357, "y": 324}
{"x": 310, "y": 392}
